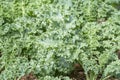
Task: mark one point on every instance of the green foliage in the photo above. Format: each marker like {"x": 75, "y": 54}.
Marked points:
{"x": 54, "y": 78}
{"x": 47, "y": 36}
{"x": 113, "y": 69}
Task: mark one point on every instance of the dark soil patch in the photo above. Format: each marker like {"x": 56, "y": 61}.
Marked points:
{"x": 77, "y": 73}
{"x": 30, "y": 76}
{"x": 118, "y": 53}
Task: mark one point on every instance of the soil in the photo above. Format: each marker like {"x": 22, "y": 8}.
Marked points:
{"x": 77, "y": 73}
{"x": 30, "y": 76}
{"x": 118, "y": 53}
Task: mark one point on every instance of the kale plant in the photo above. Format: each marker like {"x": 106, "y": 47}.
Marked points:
{"x": 47, "y": 36}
